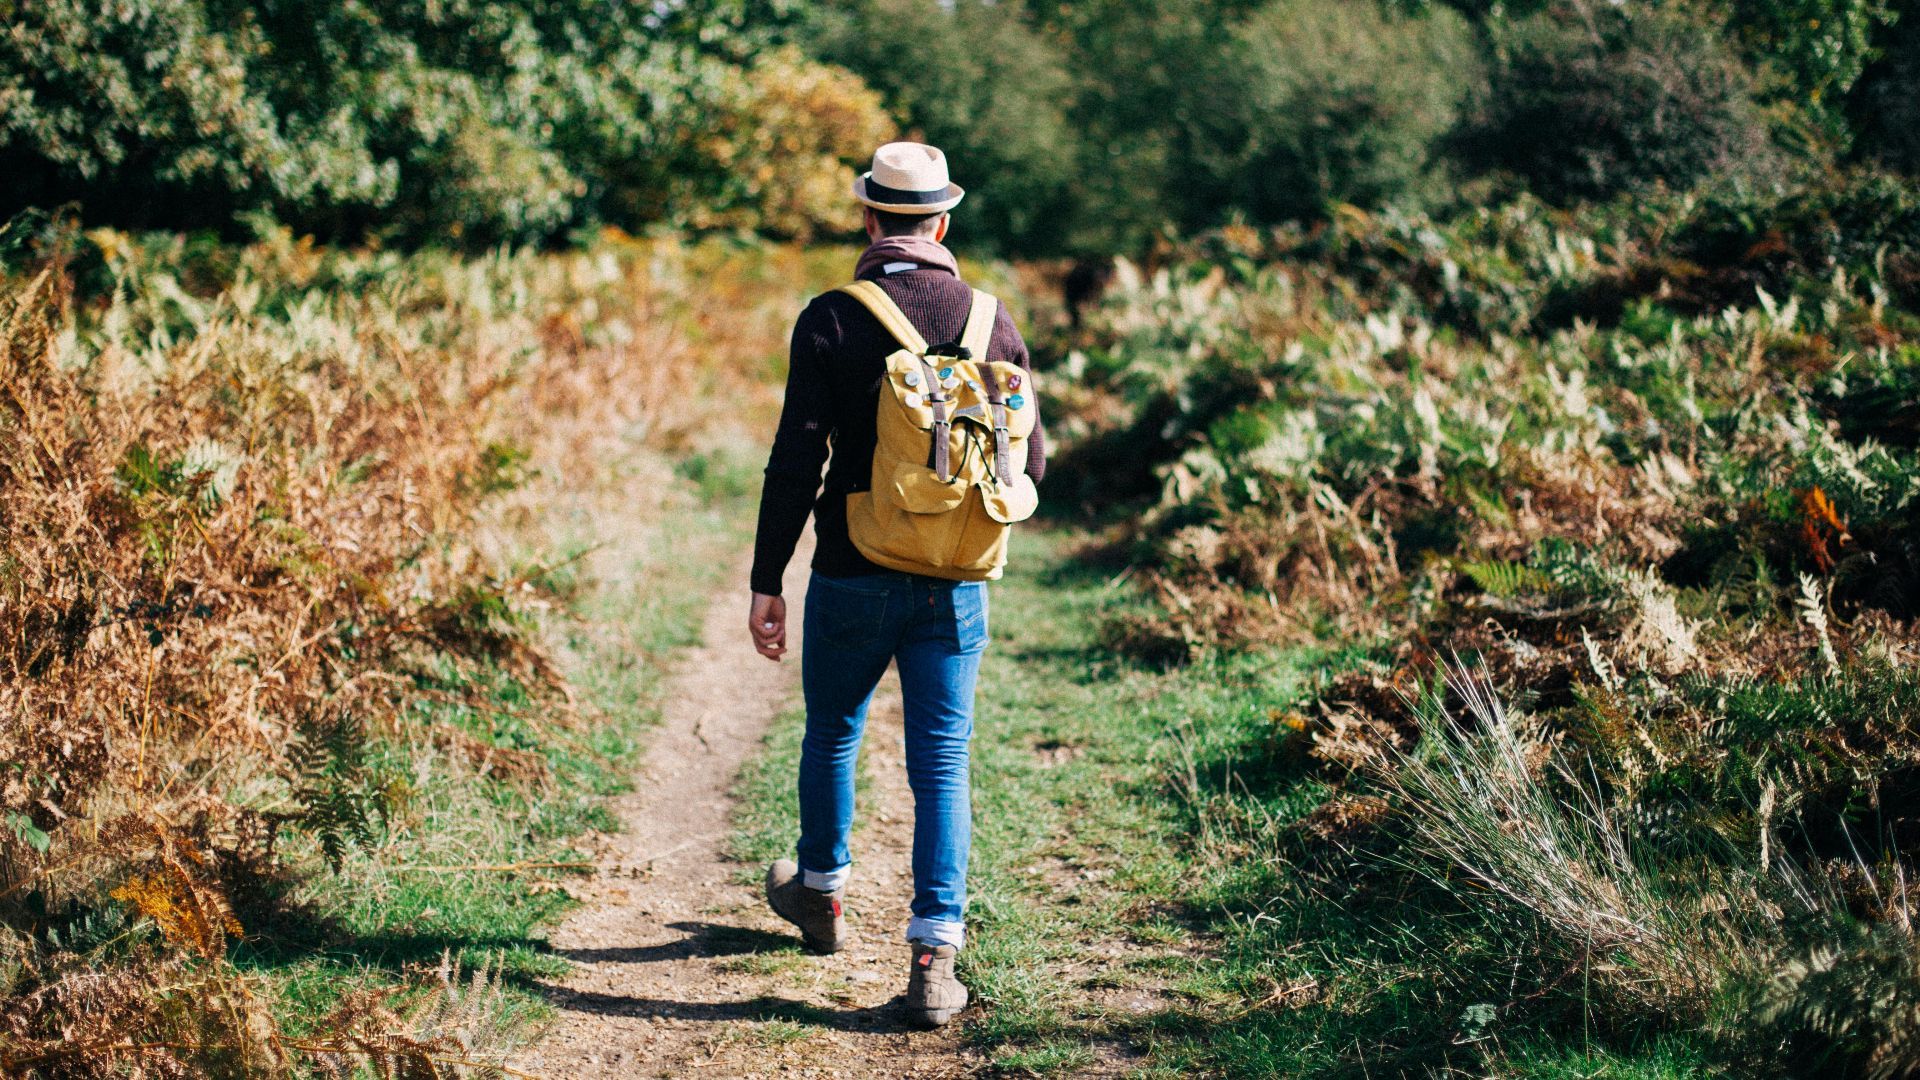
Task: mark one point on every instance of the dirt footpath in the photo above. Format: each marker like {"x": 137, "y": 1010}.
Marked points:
{"x": 680, "y": 968}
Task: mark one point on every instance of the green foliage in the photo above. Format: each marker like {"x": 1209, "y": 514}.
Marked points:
{"x": 1651, "y": 465}
{"x": 1858, "y": 219}
{"x": 1504, "y": 579}
{"x": 1616, "y": 100}
{"x": 1154, "y": 91}
{"x": 1085, "y": 128}
{"x": 337, "y": 793}
{"x": 1850, "y": 1004}
{"x": 165, "y": 84}
{"x": 1342, "y": 102}
{"x": 25, "y": 831}
{"x": 1819, "y": 47}
{"x": 1886, "y": 102}
{"x": 452, "y": 122}
{"x": 985, "y": 85}
{"x": 1095, "y": 127}
{"x": 165, "y": 497}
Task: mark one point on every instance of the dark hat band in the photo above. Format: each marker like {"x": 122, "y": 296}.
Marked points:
{"x": 880, "y": 192}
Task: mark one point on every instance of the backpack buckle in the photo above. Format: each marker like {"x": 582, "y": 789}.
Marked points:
{"x": 953, "y": 349}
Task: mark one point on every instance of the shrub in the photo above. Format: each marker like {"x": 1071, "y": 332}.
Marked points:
{"x": 1856, "y": 220}
{"x": 1857, "y": 995}
{"x": 1488, "y": 800}
{"x": 1619, "y": 100}
{"x": 1731, "y": 936}
{"x": 258, "y": 508}
{"x": 775, "y": 153}
{"x": 1818, "y": 48}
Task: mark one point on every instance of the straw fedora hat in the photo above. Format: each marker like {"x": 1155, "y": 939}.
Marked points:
{"x": 908, "y": 178}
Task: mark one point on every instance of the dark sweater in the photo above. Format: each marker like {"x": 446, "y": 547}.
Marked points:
{"x": 839, "y": 356}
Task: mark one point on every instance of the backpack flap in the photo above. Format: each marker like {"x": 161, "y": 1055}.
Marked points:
{"x": 1016, "y": 392}
{"x": 907, "y": 385}
{"x": 1010, "y": 503}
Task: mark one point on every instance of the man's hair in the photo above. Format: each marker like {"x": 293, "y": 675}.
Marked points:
{"x": 892, "y": 224}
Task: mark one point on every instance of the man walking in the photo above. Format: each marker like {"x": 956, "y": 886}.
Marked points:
{"x": 860, "y": 616}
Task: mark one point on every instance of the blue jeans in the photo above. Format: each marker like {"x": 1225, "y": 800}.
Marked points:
{"x": 936, "y": 630}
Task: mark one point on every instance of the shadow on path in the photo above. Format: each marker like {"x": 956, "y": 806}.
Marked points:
{"x": 881, "y": 1018}
{"x": 704, "y": 939}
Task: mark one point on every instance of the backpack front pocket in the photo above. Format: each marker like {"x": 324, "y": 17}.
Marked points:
{"x": 918, "y": 491}
{"x": 913, "y": 532}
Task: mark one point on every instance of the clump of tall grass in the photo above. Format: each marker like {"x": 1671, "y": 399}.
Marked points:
{"x": 1768, "y": 952}
{"x": 1495, "y": 809}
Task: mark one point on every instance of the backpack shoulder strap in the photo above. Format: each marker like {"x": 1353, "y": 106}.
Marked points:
{"x": 979, "y": 332}
{"x": 877, "y": 301}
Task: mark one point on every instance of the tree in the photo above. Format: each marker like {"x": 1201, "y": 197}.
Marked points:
{"x": 1343, "y": 102}
{"x": 977, "y": 80}
{"x": 1598, "y": 100}
{"x": 1817, "y": 48}
{"x": 1886, "y": 103}
{"x": 469, "y": 121}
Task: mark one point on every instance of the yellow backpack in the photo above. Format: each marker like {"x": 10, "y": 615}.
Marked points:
{"x": 949, "y": 468}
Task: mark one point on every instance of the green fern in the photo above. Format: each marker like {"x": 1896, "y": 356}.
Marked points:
{"x": 1497, "y": 577}
{"x": 1575, "y": 570}
{"x": 1854, "y": 1000}
{"x": 339, "y": 798}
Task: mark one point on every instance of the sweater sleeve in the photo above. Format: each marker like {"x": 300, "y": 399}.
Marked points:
{"x": 799, "y": 451}
{"x": 1012, "y": 346}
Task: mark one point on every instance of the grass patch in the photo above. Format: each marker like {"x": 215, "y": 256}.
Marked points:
{"x": 766, "y": 817}
{"x": 1047, "y": 1059}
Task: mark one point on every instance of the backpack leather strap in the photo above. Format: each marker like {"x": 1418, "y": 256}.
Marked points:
{"x": 997, "y": 405}
{"x": 937, "y": 399}
{"x": 978, "y": 338}
{"x": 876, "y": 300}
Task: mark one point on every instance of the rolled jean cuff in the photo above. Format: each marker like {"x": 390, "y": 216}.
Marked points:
{"x": 937, "y": 932}
{"x": 831, "y": 881}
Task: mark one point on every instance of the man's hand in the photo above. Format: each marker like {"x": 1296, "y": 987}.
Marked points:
{"x": 768, "y": 623}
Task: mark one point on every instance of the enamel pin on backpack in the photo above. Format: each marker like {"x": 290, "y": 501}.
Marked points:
{"x": 949, "y": 467}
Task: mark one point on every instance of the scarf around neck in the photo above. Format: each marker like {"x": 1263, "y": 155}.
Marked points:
{"x": 920, "y": 250}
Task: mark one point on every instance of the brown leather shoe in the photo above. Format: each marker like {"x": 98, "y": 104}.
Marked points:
{"x": 934, "y": 994}
{"x": 816, "y": 913}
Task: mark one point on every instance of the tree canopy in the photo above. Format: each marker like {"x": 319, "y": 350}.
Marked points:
{"x": 1080, "y": 128}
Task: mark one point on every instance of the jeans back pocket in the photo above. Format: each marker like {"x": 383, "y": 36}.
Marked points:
{"x": 843, "y": 615}
{"x": 970, "y": 614}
